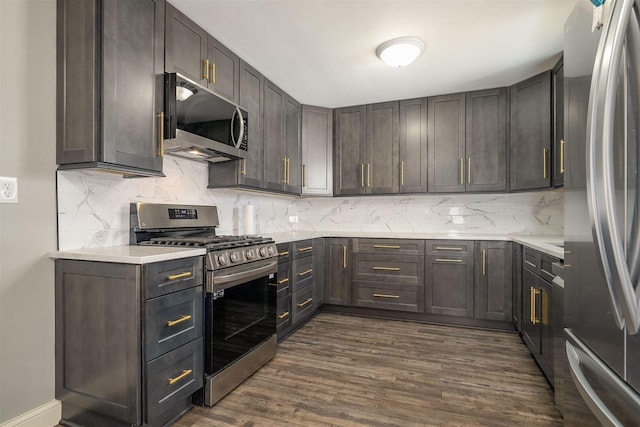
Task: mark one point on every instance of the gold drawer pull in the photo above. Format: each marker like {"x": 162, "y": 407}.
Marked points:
{"x": 386, "y": 247}
{"x": 284, "y": 253}
{"x": 184, "y": 374}
{"x": 344, "y": 257}
{"x": 308, "y": 248}
{"x": 386, "y": 296}
{"x": 285, "y": 280}
{"x": 305, "y": 303}
{"x": 283, "y": 315}
{"x": 387, "y": 268}
{"x": 205, "y": 73}
{"x": 448, "y": 260}
{"x": 484, "y": 262}
{"x": 449, "y": 248}
{"x": 305, "y": 272}
{"x": 180, "y": 320}
{"x": 180, "y": 276}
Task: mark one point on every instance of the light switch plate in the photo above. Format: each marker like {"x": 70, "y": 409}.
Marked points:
{"x": 8, "y": 189}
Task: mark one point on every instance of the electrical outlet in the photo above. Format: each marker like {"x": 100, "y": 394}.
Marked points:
{"x": 8, "y": 189}
{"x": 293, "y": 219}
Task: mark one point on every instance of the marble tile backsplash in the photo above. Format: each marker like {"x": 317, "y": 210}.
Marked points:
{"x": 93, "y": 208}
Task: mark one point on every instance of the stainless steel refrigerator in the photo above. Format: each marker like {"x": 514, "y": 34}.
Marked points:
{"x": 602, "y": 216}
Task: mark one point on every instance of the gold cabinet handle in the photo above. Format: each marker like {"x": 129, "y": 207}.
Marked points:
{"x": 205, "y": 73}
{"x": 368, "y": 174}
{"x": 544, "y": 162}
{"x": 386, "y": 296}
{"x": 344, "y": 257}
{"x": 304, "y": 177}
{"x": 180, "y": 276}
{"x": 288, "y": 170}
{"x": 386, "y": 247}
{"x": 362, "y": 175}
{"x": 448, "y": 260}
{"x": 448, "y": 248}
{"x": 283, "y": 315}
{"x": 401, "y": 174}
{"x": 283, "y": 253}
{"x": 184, "y": 374}
{"x": 284, "y": 170}
{"x": 484, "y": 262}
{"x": 178, "y": 321}
{"x": 161, "y": 133}
{"x": 305, "y": 249}
{"x": 469, "y": 170}
{"x": 283, "y": 281}
{"x": 305, "y": 303}
{"x": 304, "y": 273}
{"x": 387, "y": 268}
{"x": 532, "y": 306}
{"x": 562, "y": 156}
{"x": 212, "y": 76}
{"x": 243, "y": 170}
{"x": 461, "y": 171}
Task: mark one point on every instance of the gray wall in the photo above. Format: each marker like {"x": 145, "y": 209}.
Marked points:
{"x": 27, "y": 229}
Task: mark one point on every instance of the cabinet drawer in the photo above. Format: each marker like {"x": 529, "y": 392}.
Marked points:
{"x": 284, "y": 252}
{"x": 302, "y": 304}
{"x": 531, "y": 260}
{"x": 283, "y": 312}
{"x": 283, "y": 279}
{"x": 174, "y": 377}
{"x": 302, "y": 273}
{"x": 458, "y": 248}
{"x": 173, "y": 320}
{"x": 161, "y": 278}
{"x": 387, "y": 296}
{"x": 388, "y": 268}
{"x": 546, "y": 261}
{"x": 302, "y": 248}
{"x": 388, "y": 246}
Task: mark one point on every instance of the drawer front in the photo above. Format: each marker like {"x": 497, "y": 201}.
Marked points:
{"x": 388, "y": 246}
{"x": 164, "y": 277}
{"x": 388, "y": 268}
{"x": 302, "y": 248}
{"x": 302, "y": 273}
{"x": 546, "y": 261}
{"x": 531, "y": 260}
{"x": 302, "y": 304}
{"x": 173, "y": 320}
{"x": 283, "y": 312}
{"x": 174, "y": 377}
{"x": 457, "y": 248}
{"x": 283, "y": 279}
{"x": 379, "y": 295}
{"x": 284, "y": 252}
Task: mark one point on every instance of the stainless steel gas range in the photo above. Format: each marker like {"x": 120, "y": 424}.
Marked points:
{"x": 240, "y": 303}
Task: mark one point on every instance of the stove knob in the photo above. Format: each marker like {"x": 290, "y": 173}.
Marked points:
{"x": 223, "y": 260}
{"x": 235, "y": 256}
{"x": 264, "y": 251}
{"x": 272, "y": 250}
{"x": 250, "y": 254}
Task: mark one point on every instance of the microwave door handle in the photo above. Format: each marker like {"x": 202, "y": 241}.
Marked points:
{"x": 238, "y": 141}
{"x": 633, "y": 81}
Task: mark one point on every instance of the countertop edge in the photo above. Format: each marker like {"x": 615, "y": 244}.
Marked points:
{"x": 128, "y": 254}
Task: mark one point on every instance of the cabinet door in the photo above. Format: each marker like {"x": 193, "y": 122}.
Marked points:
{"x": 274, "y": 158}
{"x": 531, "y": 133}
{"x": 517, "y": 286}
{"x": 186, "y": 46}
{"x": 317, "y": 152}
{"x": 530, "y": 315}
{"x": 449, "y": 286}
{"x": 558, "y": 124}
{"x": 493, "y": 281}
{"x": 318, "y": 268}
{"x": 446, "y": 130}
{"x": 338, "y": 273}
{"x": 251, "y": 99}
{"x": 224, "y": 71}
{"x": 486, "y": 141}
{"x": 350, "y": 150}
{"x": 413, "y": 146}
{"x": 133, "y": 66}
{"x": 383, "y": 136}
{"x": 292, "y": 112}
{"x": 545, "y": 317}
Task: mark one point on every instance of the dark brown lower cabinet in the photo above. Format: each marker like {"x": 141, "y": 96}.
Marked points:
{"x": 338, "y": 271}
{"x": 449, "y": 285}
{"x": 493, "y": 300}
{"x": 517, "y": 286}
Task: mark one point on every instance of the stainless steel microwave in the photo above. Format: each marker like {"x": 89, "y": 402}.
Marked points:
{"x": 201, "y": 125}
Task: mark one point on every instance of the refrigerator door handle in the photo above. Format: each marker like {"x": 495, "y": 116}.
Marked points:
{"x": 597, "y": 406}
{"x": 600, "y": 167}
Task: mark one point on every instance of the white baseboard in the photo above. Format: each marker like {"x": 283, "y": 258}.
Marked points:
{"x": 47, "y": 415}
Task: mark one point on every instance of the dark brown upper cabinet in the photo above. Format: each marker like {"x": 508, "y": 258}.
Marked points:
{"x": 316, "y": 141}
{"x": 110, "y": 85}
{"x": 530, "y": 139}
{"x": 413, "y": 146}
{"x": 350, "y": 150}
{"x": 558, "y": 124}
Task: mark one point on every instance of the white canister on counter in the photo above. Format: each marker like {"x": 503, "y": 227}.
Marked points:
{"x": 249, "y": 219}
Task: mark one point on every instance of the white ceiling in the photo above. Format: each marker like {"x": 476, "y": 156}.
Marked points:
{"x": 323, "y": 52}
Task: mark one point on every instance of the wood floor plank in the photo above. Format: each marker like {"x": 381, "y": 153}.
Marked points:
{"x": 347, "y": 371}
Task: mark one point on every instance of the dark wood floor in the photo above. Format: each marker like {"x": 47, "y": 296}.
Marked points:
{"x": 349, "y": 371}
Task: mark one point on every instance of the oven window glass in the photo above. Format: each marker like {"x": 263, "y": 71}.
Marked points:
{"x": 241, "y": 319}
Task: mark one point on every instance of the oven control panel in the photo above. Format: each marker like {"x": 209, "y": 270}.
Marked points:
{"x": 224, "y": 258}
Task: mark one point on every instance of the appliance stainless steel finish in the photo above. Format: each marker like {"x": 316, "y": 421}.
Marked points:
{"x": 240, "y": 303}
{"x": 602, "y": 216}
{"x": 202, "y": 126}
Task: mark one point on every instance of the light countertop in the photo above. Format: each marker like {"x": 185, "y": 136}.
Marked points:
{"x": 129, "y": 254}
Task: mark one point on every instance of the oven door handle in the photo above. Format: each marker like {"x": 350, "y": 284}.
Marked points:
{"x": 224, "y": 280}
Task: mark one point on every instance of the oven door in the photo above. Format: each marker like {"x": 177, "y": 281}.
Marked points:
{"x": 238, "y": 318}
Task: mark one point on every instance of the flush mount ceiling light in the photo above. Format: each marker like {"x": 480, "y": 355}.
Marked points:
{"x": 401, "y": 51}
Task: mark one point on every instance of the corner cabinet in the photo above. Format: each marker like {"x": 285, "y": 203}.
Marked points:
{"x": 558, "y": 124}
{"x": 317, "y": 152}
{"x": 350, "y": 150}
{"x": 129, "y": 340}
{"x": 493, "y": 281}
{"x": 530, "y": 140}
{"x": 108, "y": 52}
